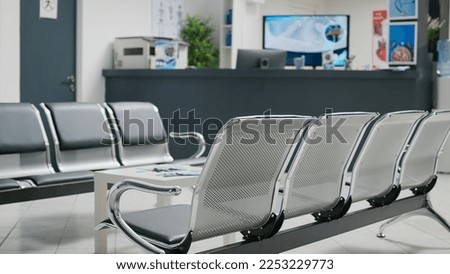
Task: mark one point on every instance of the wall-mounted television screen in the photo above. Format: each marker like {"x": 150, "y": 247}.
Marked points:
{"x": 308, "y": 35}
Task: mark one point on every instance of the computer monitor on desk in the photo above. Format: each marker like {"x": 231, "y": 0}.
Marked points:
{"x": 260, "y": 59}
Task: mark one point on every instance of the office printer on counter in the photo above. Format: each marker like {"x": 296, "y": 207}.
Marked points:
{"x": 146, "y": 52}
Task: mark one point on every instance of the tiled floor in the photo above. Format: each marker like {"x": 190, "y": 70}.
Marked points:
{"x": 64, "y": 225}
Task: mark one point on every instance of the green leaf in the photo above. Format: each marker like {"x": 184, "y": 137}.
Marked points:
{"x": 197, "y": 31}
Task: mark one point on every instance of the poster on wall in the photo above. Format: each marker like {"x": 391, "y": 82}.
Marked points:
{"x": 403, "y": 43}
{"x": 380, "y": 39}
{"x": 402, "y": 9}
{"x": 167, "y": 18}
{"x": 48, "y": 9}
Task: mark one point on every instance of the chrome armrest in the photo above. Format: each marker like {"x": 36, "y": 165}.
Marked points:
{"x": 201, "y": 144}
{"x": 406, "y": 148}
{"x": 115, "y": 214}
{"x": 347, "y": 186}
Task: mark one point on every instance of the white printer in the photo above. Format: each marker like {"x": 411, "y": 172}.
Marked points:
{"x": 146, "y": 52}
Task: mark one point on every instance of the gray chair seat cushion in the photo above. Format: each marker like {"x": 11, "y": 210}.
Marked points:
{"x": 169, "y": 224}
{"x": 63, "y": 177}
{"x": 6, "y": 184}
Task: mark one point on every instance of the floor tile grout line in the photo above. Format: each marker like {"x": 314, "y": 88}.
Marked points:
{"x": 67, "y": 222}
{"x": 17, "y": 221}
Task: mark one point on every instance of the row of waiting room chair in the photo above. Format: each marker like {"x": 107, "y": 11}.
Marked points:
{"x": 55, "y": 156}
{"x": 263, "y": 170}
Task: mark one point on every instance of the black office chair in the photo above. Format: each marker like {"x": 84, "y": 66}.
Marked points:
{"x": 23, "y": 145}
{"x": 26, "y": 172}
{"x": 81, "y": 136}
{"x": 141, "y": 137}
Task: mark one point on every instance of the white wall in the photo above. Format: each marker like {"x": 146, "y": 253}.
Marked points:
{"x": 250, "y": 24}
{"x": 100, "y": 21}
{"x": 207, "y": 9}
{"x": 252, "y": 19}
{"x": 273, "y": 7}
{"x": 9, "y": 51}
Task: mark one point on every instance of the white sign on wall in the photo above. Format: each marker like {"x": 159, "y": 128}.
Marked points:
{"x": 48, "y": 9}
{"x": 167, "y": 18}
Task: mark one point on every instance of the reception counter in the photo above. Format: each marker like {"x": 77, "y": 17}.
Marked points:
{"x": 222, "y": 94}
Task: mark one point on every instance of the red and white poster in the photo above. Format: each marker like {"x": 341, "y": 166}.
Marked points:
{"x": 380, "y": 38}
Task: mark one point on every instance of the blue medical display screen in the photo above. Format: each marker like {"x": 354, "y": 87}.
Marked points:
{"x": 309, "y": 36}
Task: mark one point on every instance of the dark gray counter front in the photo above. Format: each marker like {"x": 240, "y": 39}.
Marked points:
{"x": 223, "y": 94}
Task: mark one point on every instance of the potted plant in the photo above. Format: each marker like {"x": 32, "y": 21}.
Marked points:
{"x": 197, "y": 31}
{"x": 434, "y": 27}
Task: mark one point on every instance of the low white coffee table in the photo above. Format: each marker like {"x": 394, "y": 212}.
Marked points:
{"x": 162, "y": 174}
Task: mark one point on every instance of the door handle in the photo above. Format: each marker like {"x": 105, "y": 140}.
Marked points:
{"x": 70, "y": 82}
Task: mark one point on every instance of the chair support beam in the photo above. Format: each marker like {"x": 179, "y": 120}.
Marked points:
{"x": 309, "y": 233}
{"x": 44, "y": 192}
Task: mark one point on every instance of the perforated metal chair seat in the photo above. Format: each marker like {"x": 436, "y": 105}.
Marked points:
{"x": 375, "y": 172}
{"x": 168, "y": 225}
{"x": 235, "y": 191}
{"x": 313, "y": 200}
{"x": 61, "y": 178}
{"x": 419, "y": 164}
{"x": 315, "y": 182}
{"x": 7, "y": 184}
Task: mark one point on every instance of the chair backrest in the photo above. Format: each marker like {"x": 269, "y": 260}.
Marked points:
{"x": 238, "y": 184}
{"x": 23, "y": 143}
{"x": 374, "y": 172}
{"x": 81, "y": 135}
{"x": 420, "y": 161}
{"x": 315, "y": 182}
{"x": 142, "y": 138}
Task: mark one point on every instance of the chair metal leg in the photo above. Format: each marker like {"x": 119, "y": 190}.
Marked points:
{"x": 396, "y": 220}
{"x": 427, "y": 211}
{"x": 438, "y": 218}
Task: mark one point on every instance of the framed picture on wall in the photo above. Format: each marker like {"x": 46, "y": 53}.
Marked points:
{"x": 402, "y": 43}
{"x": 167, "y": 18}
{"x": 403, "y": 9}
